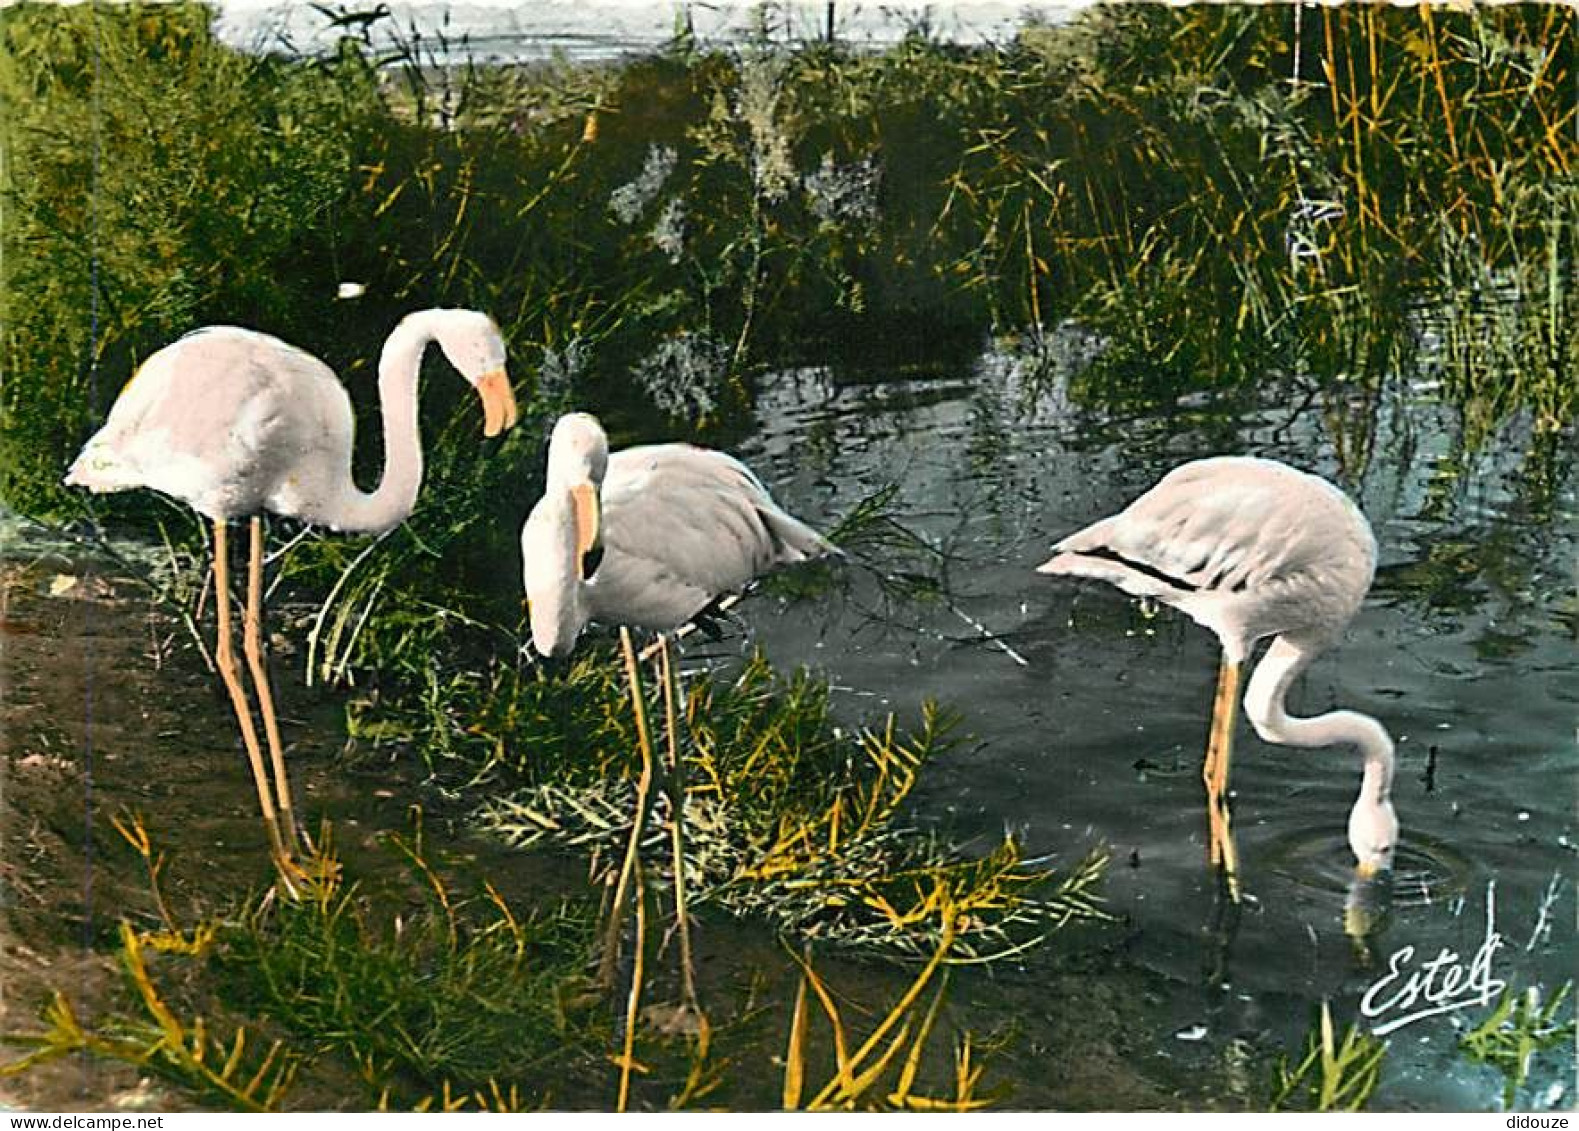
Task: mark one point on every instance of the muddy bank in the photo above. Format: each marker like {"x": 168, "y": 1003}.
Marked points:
{"x": 110, "y": 710}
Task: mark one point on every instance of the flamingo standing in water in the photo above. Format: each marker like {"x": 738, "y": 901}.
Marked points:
{"x": 1252, "y": 548}
{"x": 235, "y": 423}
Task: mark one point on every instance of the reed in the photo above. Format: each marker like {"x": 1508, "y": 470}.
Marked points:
{"x": 1517, "y": 1028}
{"x": 1330, "y": 1075}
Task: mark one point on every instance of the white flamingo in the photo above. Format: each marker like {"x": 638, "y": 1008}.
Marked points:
{"x": 648, "y": 537}
{"x": 1251, "y": 548}
{"x": 235, "y": 423}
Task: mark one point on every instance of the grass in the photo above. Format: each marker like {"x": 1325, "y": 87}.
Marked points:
{"x": 1223, "y": 193}
{"x": 1218, "y": 197}
{"x": 1330, "y": 1075}
{"x": 1518, "y": 1027}
{"x": 415, "y": 996}
{"x": 788, "y": 817}
{"x": 452, "y": 996}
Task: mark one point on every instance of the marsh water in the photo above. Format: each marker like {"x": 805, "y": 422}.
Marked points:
{"x": 1082, "y": 714}
{"x": 1087, "y": 714}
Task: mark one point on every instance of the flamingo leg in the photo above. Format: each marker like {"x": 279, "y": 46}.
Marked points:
{"x": 631, "y": 863}
{"x": 1214, "y": 773}
{"x": 230, "y": 673}
{"x": 676, "y": 790}
{"x": 252, "y": 637}
{"x": 1209, "y": 765}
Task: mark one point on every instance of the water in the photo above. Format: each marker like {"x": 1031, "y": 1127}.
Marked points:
{"x": 1464, "y": 649}
{"x": 504, "y": 31}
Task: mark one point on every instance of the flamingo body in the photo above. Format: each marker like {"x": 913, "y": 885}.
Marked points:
{"x": 679, "y": 527}
{"x": 1248, "y": 548}
{"x": 1252, "y": 548}
{"x": 230, "y": 421}
{"x": 235, "y": 423}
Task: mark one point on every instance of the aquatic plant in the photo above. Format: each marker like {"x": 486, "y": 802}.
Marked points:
{"x": 1518, "y": 1027}
{"x": 1226, "y": 194}
{"x": 460, "y": 993}
{"x": 874, "y": 1074}
{"x": 424, "y": 999}
{"x": 162, "y": 1042}
{"x": 456, "y": 1003}
{"x": 787, "y": 816}
{"x": 1330, "y": 1075}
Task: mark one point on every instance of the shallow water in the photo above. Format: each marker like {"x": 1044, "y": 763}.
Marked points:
{"x": 1464, "y": 649}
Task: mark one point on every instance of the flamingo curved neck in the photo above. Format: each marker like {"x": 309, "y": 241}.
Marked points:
{"x": 555, "y": 591}
{"x": 1264, "y": 706}
{"x": 388, "y": 505}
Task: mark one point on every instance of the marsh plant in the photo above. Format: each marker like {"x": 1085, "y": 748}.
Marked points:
{"x": 1329, "y": 1074}
{"x": 1227, "y": 195}
{"x": 414, "y": 995}
{"x": 788, "y": 816}
{"x": 631, "y": 200}
{"x": 1518, "y": 1027}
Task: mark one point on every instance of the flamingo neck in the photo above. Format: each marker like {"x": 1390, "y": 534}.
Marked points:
{"x": 555, "y": 592}
{"x": 389, "y": 504}
{"x": 1264, "y": 706}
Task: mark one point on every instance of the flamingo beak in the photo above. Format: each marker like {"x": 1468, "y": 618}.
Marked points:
{"x": 498, "y": 402}
{"x": 589, "y": 528}
{"x": 1367, "y": 870}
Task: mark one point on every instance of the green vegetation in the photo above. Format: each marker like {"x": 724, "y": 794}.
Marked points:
{"x": 1330, "y": 1075}
{"x": 1518, "y": 1027}
{"x": 1224, "y": 194}
{"x": 422, "y": 998}
{"x": 1221, "y": 196}
{"x": 787, "y": 816}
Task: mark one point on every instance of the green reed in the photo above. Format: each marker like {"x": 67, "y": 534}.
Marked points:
{"x": 1223, "y": 193}
{"x": 415, "y": 990}
{"x": 1518, "y": 1027}
{"x": 1329, "y": 1075}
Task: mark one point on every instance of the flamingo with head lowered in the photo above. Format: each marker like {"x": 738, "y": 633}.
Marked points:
{"x": 649, "y": 537}
{"x": 1252, "y": 548}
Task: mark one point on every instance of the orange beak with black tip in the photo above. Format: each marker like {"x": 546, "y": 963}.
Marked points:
{"x": 498, "y": 402}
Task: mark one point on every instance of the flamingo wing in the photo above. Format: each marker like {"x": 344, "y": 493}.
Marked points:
{"x": 223, "y": 419}
{"x": 1247, "y": 547}
{"x": 683, "y": 526}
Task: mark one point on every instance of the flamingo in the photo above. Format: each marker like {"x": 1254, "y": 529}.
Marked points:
{"x": 1251, "y": 548}
{"x": 234, "y": 423}
{"x": 649, "y": 537}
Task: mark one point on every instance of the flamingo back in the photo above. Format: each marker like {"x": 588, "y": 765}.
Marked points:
{"x": 683, "y": 526}
{"x": 1247, "y": 547}
{"x": 228, "y": 420}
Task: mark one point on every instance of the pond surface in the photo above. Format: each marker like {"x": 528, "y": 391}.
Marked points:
{"x": 1091, "y": 732}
